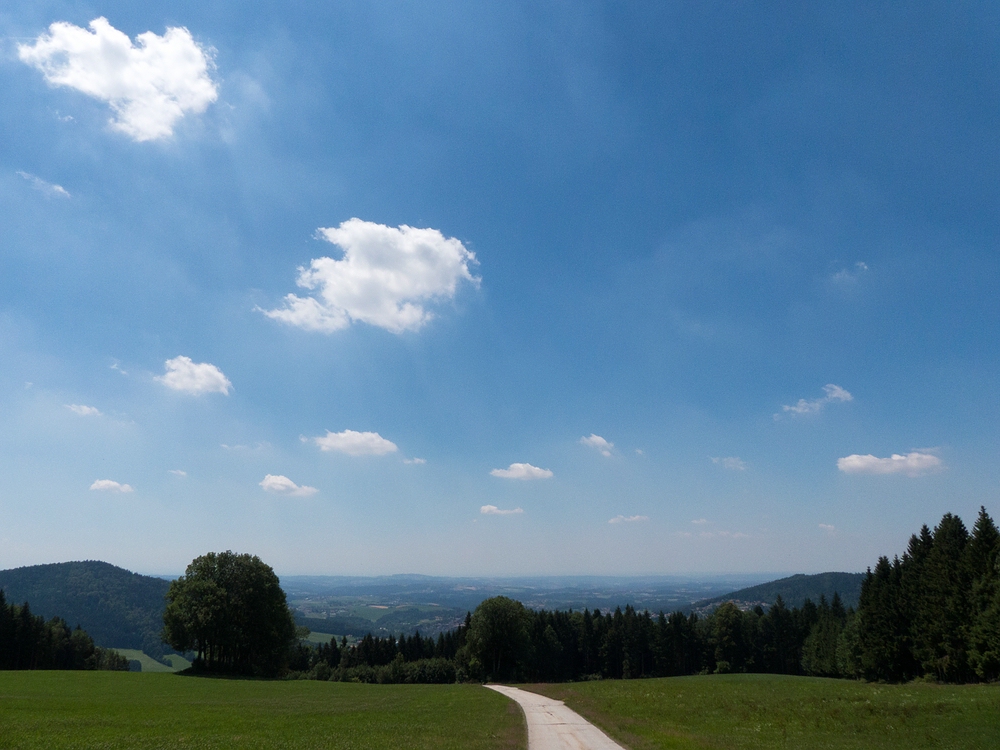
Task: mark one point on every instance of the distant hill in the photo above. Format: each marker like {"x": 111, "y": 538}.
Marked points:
{"x": 119, "y": 609}
{"x": 794, "y": 590}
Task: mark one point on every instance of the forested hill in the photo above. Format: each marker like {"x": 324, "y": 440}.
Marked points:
{"x": 119, "y": 609}
{"x": 794, "y": 590}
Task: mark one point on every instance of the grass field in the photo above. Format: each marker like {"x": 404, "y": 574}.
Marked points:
{"x": 136, "y": 710}
{"x": 770, "y": 711}
{"x": 149, "y": 664}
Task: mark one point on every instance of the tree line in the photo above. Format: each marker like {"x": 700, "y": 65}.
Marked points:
{"x": 28, "y": 641}
{"x": 934, "y": 612}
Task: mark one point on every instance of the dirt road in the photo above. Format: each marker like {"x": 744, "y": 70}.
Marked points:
{"x": 552, "y": 726}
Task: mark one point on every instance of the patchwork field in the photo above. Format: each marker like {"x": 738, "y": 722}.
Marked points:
{"x": 136, "y": 710}
{"x": 770, "y": 711}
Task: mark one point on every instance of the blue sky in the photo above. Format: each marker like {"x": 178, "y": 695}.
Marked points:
{"x": 608, "y": 287}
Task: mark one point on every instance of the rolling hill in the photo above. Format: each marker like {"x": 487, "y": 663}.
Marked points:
{"x": 119, "y": 609}
{"x": 794, "y": 590}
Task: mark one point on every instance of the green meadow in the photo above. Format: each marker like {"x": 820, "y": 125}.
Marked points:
{"x": 135, "y": 710}
{"x": 149, "y": 664}
{"x": 772, "y": 711}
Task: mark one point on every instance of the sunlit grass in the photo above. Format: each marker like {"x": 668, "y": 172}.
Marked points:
{"x": 136, "y": 710}
{"x": 770, "y": 711}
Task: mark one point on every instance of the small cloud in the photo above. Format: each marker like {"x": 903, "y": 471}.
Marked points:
{"x": 149, "y": 86}
{"x": 281, "y": 485}
{"x": 700, "y": 521}
{"x": 598, "y": 443}
{"x": 833, "y": 393}
{"x": 850, "y": 275}
{"x": 417, "y": 461}
{"x": 48, "y": 189}
{"x": 734, "y": 535}
{"x": 178, "y": 472}
{"x": 829, "y": 529}
{"x": 733, "y": 463}
{"x": 385, "y": 277}
{"x": 194, "y": 377}
{"x": 492, "y": 510}
{"x": 355, "y": 443}
{"x": 628, "y": 519}
{"x": 639, "y": 452}
{"x": 912, "y": 464}
{"x": 84, "y": 411}
{"x": 108, "y": 485}
{"x": 521, "y": 471}
{"x": 683, "y": 533}
{"x": 114, "y": 366}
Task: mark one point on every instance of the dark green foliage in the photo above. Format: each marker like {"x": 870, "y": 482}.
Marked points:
{"x": 935, "y": 612}
{"x": 28, "y": 641}
{"x": 118, "y": 608}
{"x": 500, "y": 637}
{"x": 230, "y": 609}
{"x": 794, "y": 590}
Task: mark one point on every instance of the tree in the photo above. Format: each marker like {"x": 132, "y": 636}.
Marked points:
{"x": 230, "y": 609}
{"x": 499, "y": 636}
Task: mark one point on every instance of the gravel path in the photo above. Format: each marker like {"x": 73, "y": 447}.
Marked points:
{"x": 552, "y": 726}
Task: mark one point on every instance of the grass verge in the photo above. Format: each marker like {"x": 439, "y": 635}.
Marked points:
{"x": 771, "y": 711}
{"x": 137, "y": 710}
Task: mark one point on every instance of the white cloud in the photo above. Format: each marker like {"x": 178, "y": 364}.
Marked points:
{"x": 48, "y": 189}
{"x": 829, "y": 529}
{"x": 833, "y": 393}
{"x": 417, "y": 461}
{"x": 850, "y": 275}
{"x": 700, "y": 521}
{"x": 492, "y": 510}
{"x": 115, "y": 366}
{"x": 628, "y": 519}
{"x": 639, "y": 452}
{"x": 149, "y": 86}
{"x": 598, "y": 443}
{"x": 108, "y": 485}
{"x": 194, "y": 377}
{"x": 178, "y": 472}
{"x": 912, "y": 464}
{"x": 383, "y": 279}
{"x": 355, "y": 443}
{"x": 84, "y": 411}
{"x": 281, "y": 485}
{"x": 733, "y": 463}
{"x": 521, "y": 471}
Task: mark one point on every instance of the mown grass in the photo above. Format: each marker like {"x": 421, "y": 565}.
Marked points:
{"x": 149, "y": 664}
{"x": 136, "y": 710}
{"x": 770, "y": 711}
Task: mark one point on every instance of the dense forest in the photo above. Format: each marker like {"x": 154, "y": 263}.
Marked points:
{"x": 28, "y": 641}
{"x": 118, "y": 608}
{"x": 934, "y": 612}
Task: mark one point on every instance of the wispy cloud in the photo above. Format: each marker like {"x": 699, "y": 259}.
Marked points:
{"x": 194, "y": 377}
{"x": 628, "y": 519}
{"x": 282, "y": 485}
{"x": 84, "y": 411}
{"x": 417, "y": 461}
{"x": 834, "y": 393}
{"x": 355, "y": 443}
{"x": 700, "y": 521}
{"x": 598, "y": 443}
{"x": 733, "y": 463}
{"x": 149, "y": 86}
{"x": 109, "y": 485}
{"x": 492, "y": 510}
{"x": 521, "y": 471}
{"x": 850, "y": 275}
{"x": 828, "y": 528}
{"x": 386, "y": 276}
{"x": 48, "y": 189}
{"x": 178, "y": 472}
{"x": 912, "y": 464}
